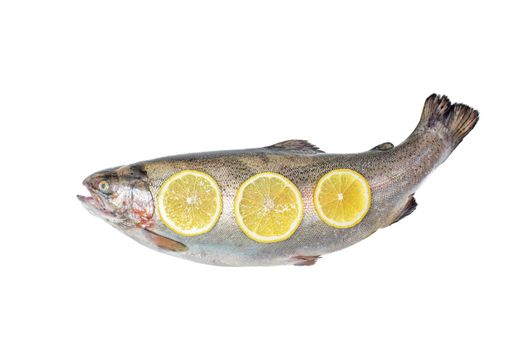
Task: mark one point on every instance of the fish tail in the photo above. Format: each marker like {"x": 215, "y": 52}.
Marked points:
{"x": 452, "y": 121}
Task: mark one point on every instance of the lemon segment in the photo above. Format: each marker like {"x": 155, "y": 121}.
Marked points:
{"x": 190, "y": 203}
{"x": 342, "y": 198}
{"x": 268, "y": 207}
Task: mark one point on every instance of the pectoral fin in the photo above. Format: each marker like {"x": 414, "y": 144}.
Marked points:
{"x": 164, "y": 242}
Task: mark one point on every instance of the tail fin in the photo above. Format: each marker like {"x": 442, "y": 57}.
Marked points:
{"x": 454, "y": 121}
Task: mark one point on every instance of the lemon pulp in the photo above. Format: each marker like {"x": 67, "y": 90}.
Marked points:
{"x": 342, "y": 198}
{"x": 190, "y": 202}
{"x": 268, "y": 207}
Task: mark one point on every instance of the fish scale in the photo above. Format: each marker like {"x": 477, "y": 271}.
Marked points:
{"x": 393, "y": 173}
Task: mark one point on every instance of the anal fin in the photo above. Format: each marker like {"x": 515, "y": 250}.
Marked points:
{"x": 409, "y": 208}
{"x": 305, "y": 260}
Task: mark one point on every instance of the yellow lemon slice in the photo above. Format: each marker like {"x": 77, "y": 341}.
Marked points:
{"x": 268, "y": 208}
{"x": 190, "y": 202}
{"x": 342, "y": 198}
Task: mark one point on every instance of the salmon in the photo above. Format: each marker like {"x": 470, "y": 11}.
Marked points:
{"x": 128, "y": 199}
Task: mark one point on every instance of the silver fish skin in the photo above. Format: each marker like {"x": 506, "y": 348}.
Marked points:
{"x": 394, "y": 174}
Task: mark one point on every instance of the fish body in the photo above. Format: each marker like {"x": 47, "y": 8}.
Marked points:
{"x": 393, "y": 174}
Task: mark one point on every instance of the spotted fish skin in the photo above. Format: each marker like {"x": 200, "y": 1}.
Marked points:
{"x": 393, "y": 173}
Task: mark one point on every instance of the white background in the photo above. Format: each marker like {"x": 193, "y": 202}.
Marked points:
{"x": 93, "y": 84}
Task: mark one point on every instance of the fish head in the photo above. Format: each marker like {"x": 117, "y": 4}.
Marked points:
{"x": 120, "y": 196}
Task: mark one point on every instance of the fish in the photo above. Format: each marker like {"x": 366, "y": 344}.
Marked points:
{"x": 125, "y": 196}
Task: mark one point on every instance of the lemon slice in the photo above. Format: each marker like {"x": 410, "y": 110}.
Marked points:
{"x": 268, "y": 208}
{"x": 190, "y": 202}
{"x": 342, "y": 198}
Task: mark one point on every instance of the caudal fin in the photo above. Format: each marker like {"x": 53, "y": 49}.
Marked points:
{"x": 453, "y": 121}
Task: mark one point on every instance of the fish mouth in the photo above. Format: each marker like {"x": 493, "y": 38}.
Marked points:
{"x": 94, "y": 204}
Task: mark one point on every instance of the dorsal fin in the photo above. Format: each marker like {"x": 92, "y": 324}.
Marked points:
{"x": 383, "y": 147}
{"x": 301, "y": 146}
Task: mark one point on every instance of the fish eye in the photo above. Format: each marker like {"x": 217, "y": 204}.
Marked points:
{"x": 103, "y": 186}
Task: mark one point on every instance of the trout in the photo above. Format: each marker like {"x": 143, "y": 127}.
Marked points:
{"x": 126, "y": 196}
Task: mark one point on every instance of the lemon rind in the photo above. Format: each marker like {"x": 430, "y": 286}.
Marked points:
{"x": 263, "y": 239}
{"x": 169, "y": 223}
{"x": 320, "y": 212}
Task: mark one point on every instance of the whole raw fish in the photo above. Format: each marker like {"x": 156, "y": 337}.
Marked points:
{"x": 393, "y": 173}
